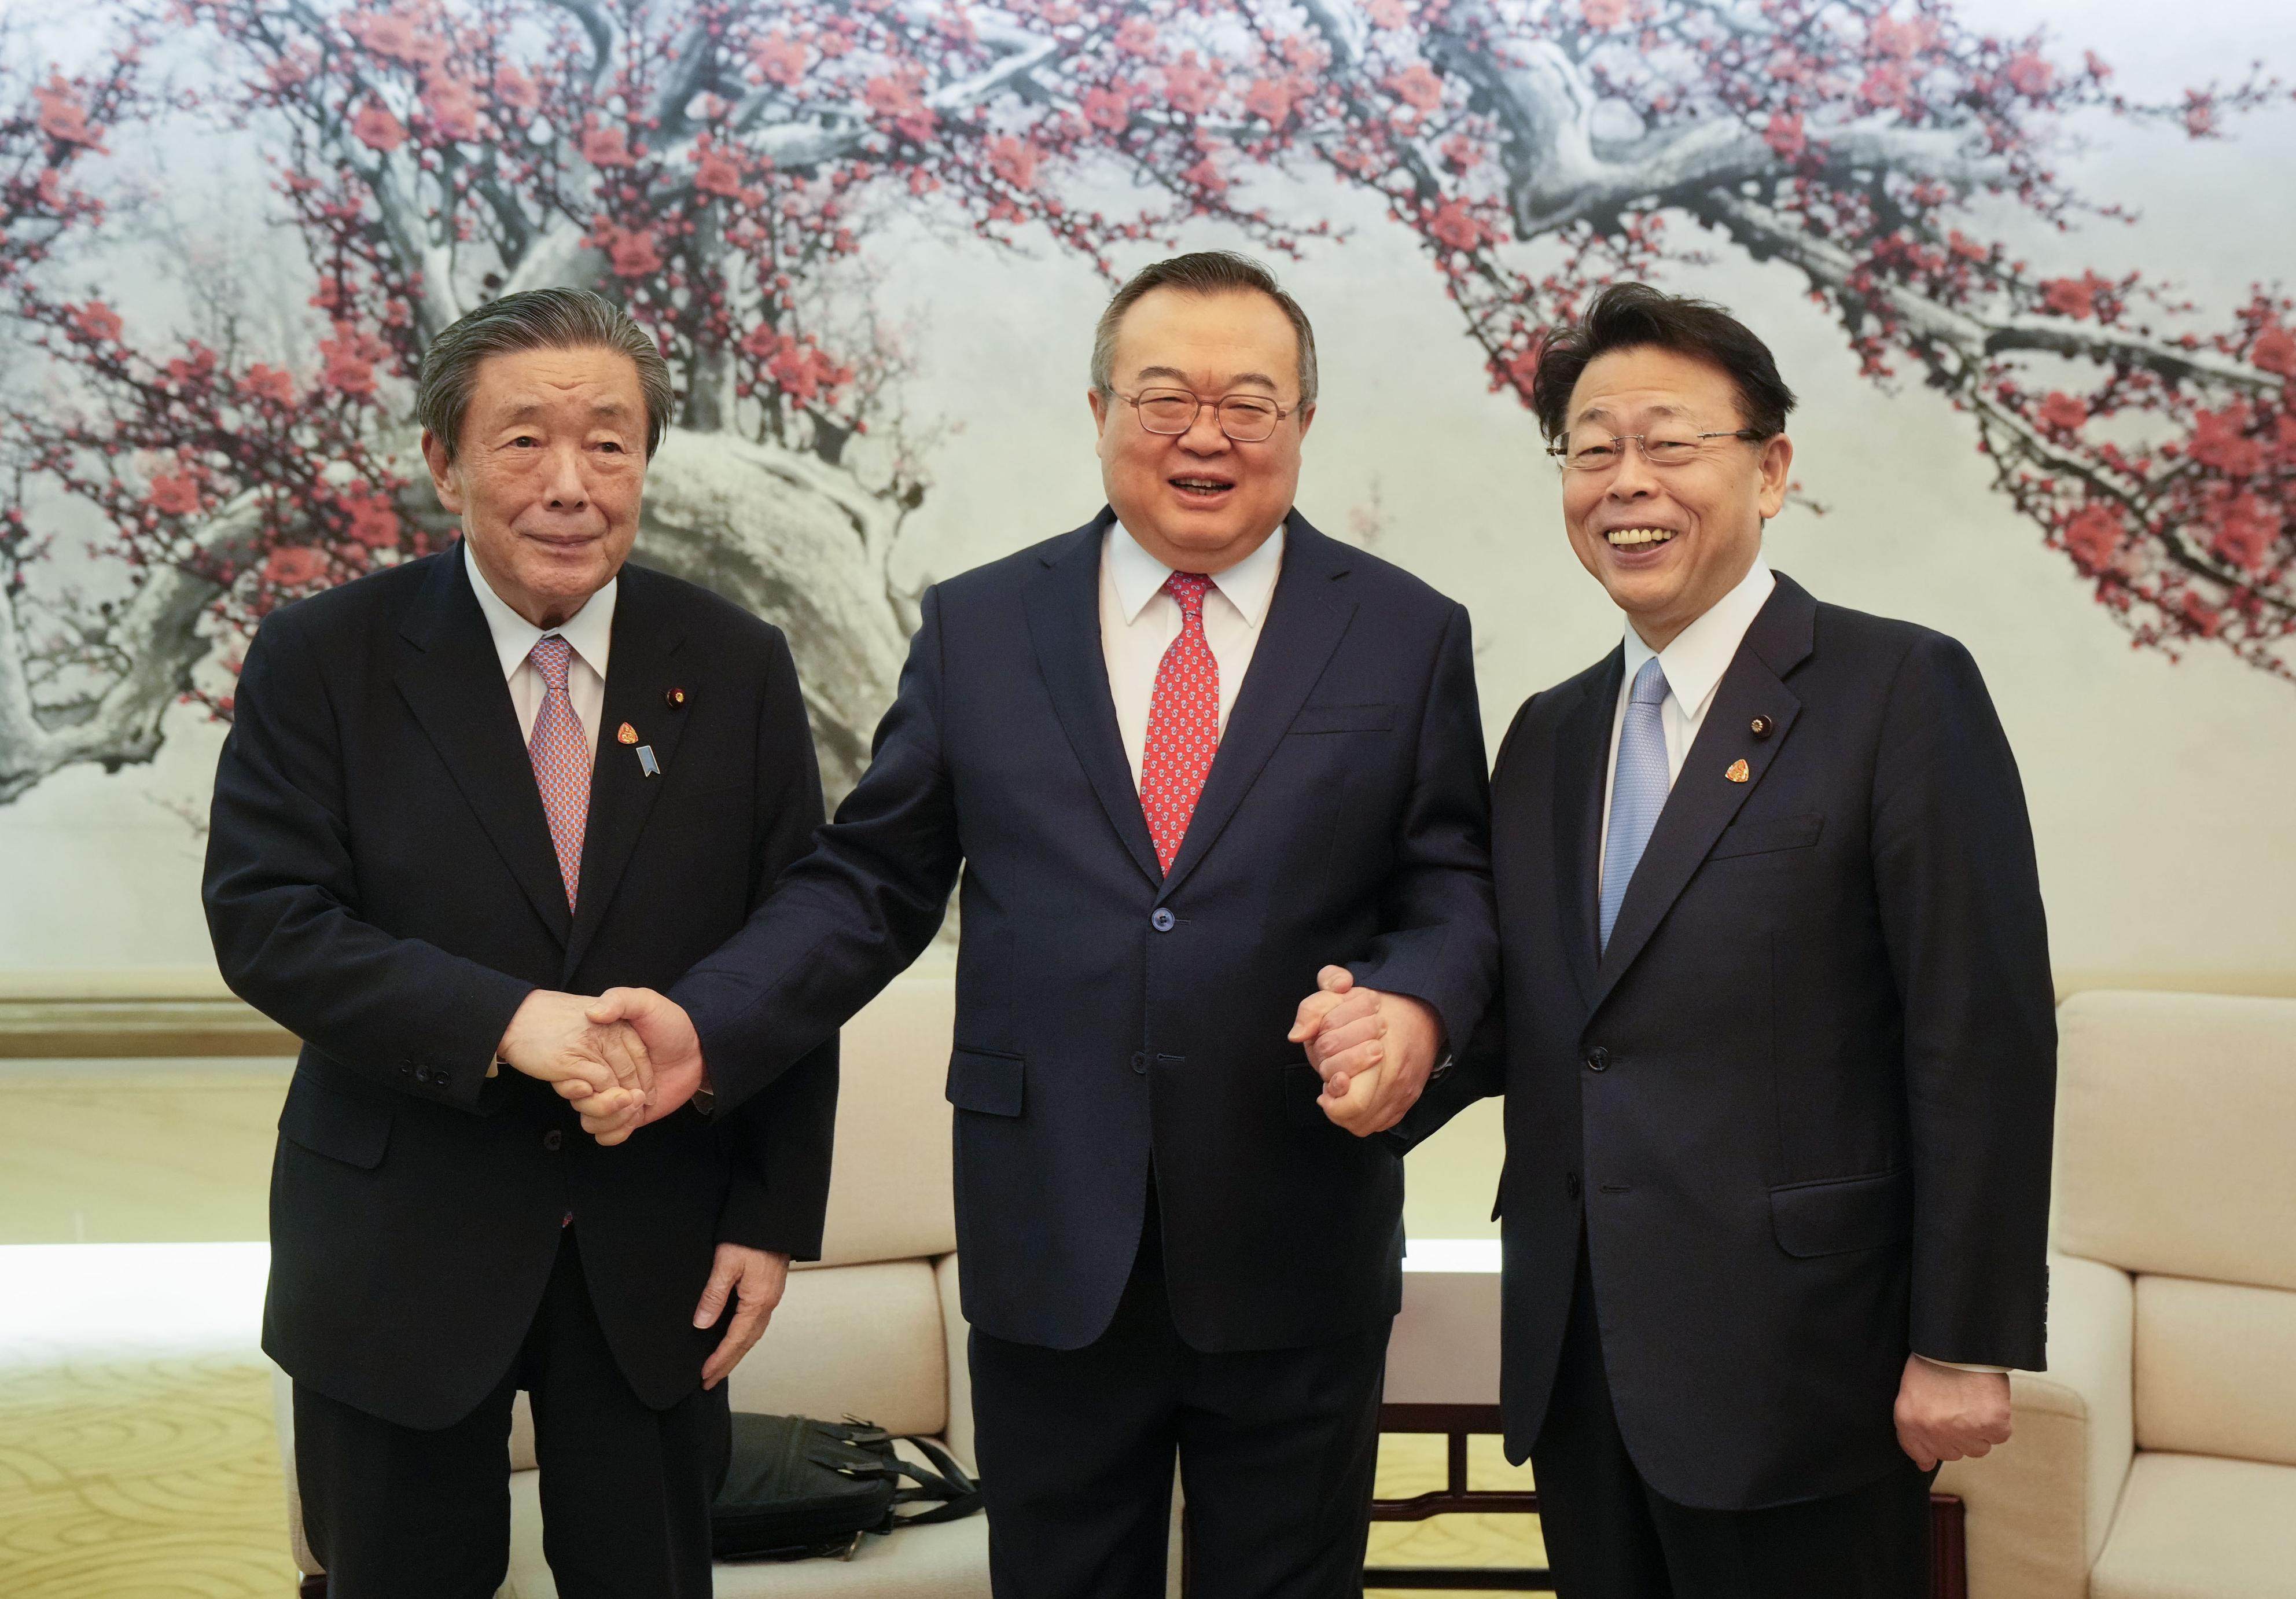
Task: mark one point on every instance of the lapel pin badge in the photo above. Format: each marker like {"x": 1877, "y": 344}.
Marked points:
{"x": 673, "y": 698}
{"x": 1762, "y": 726}
{"x": 647, "y": 764}
{"x": 627, "y": 735}
{"x": 1737, "y": 772}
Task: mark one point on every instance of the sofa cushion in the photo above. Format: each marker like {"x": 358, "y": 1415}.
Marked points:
{"x": 2216, "y": 1369}
{"x": 863, "y": 1340}
{"x": 2173, "y": 1113}
{"x": 889, "y": 1192}
{"x": 2192, "y": 1526}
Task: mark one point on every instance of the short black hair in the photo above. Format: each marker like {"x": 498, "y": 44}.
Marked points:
{"x": 1203, "y": 272}
{"x": 1637, "y": 316}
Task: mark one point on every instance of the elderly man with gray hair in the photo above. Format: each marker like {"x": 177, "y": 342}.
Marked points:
{"x": 456, "y": 793}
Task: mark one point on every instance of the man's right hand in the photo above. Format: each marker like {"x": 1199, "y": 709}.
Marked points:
{"x": 552, "y": 1039}
{"x": 671, "y": 1044}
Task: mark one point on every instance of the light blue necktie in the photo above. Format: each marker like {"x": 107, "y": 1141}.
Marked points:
{"x": 1638, "y": 793}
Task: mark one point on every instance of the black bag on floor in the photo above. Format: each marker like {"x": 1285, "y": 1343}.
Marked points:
{"x": 795, "y": 1488}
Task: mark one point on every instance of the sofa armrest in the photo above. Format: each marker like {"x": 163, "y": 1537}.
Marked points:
{"x": 2040, "y": 1505}
{"x": 960, "y": 1366}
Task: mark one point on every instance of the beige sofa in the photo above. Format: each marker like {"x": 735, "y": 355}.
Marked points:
{"x": 873, "y": 1330}
{"x": 2156, "y": 1458}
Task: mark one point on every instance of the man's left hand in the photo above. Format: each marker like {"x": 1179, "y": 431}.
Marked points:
{"x": 1944, "y": 1414}
{"x": 755, "y": 1279}
{"x": 1349, "y": 1030}
{"x": 675, "y": 1052}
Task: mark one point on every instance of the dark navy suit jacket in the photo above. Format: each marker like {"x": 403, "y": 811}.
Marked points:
{"x": 1799, "y": 1108}
{"x": 380, "y": 880}
{"x": 1110, "y": 1017}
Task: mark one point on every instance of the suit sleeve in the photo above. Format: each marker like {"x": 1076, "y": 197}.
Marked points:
{"x": 850, "y": 916}
{"x": 780, "y": 1138}
{"x": 1441, "y": 946}
{"x": 1961, "y": 911}
{"x": 281, "y": 894}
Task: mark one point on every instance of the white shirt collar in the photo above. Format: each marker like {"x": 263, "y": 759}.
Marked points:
{"x": 1694, "y": 662}
{"x": 589, "y": 632}
{"x": 1249, "y": 585}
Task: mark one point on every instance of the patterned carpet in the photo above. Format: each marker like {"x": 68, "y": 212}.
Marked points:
{"x": 126, "y": 1479}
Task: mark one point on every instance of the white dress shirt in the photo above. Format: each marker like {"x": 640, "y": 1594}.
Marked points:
{"x": 1694, "y": 665}
{"x": 1139, "y": 621}
{"x": 589, "y": 634}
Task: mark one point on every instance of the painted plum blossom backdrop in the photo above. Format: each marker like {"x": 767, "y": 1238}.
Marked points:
{"x": 716, "y": 165}
{"x": 745, "y": 176}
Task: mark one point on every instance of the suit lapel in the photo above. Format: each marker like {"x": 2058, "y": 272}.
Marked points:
{"x": 453, "y": 681}
{"x": 1582, "y": 746}
{"x": 1062, "y": 605}
{"x": 1704, "y": 800}
{"x": 1307, "y": 616}
{"x": 646, "y": 637}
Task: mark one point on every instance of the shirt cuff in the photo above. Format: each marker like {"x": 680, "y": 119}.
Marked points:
{"x": 1962, "y": 1365}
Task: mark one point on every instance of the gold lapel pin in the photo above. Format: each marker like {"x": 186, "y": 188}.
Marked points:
{"x": 626, "y": 734}
{"x": 1762, "y": 726}
{"x": 1737, "y": 772}
{"x": 675, "y": 699}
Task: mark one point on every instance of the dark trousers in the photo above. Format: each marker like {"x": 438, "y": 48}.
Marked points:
{"x": 1277, "y": 1449}
{"x": 393, "y": 1512}
{"x": 1609, "y": 1536}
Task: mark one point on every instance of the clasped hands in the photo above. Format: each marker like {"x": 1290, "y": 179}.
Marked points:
{"x": 627, "y": 1058}
{"x": 1373, "y": 1050}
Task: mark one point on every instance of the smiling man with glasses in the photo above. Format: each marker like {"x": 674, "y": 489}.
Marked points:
{"x": 1779, "y": 1046}
{"x": 1181, "y": 758}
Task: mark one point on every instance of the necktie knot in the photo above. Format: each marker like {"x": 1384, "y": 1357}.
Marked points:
{"x": 552, "y": 655}
{"x": 1650, "y": 684}
{"x": 1189, "y": 589}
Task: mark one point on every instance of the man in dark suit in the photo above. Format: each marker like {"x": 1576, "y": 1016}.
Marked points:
{"x": 1779, "y": 1050}
{"x": 1182, "y": 755}
{"x": 419, "y": 835}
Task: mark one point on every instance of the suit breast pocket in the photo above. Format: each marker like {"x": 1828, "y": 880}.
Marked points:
{"x": 1343, "y": 718}
{"x": 1767, "y": 836}
{"x": 334, "y": 1125}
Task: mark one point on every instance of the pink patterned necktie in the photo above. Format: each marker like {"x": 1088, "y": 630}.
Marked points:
{"x": 1183, "y": 723}
{"x": 561, "y": 760}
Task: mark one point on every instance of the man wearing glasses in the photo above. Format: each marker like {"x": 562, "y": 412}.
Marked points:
{"x": 1183, "y": 757}
{"x": 1779, "y": 1049}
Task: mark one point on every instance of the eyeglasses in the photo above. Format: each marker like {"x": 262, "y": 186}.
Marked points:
{"x": 1245, "y": 418}
{"x": 1660, "y": 450}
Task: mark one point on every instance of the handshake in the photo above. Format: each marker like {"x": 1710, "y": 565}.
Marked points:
{"x": 1373, "y": 1050}
{"x": 624, "y": 1059}
{"x": 631, "y": 1056}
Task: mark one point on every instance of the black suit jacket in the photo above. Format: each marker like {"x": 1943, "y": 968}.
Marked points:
{"x": 380, "y": 880}
{"x": 1110, "y": 1017}
{"x": 1800, "y": 1106}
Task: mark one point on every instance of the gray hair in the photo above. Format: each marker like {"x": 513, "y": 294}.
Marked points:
{"x": 535, "y": 319}
{"x": 1204, "y": 272}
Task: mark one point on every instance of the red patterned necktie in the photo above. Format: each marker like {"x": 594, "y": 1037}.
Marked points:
{"x": 1183, "y": 723}
{"x": 561, "y": 760}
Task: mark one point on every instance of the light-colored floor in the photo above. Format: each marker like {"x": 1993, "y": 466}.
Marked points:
{"x": 128, "y": 1471}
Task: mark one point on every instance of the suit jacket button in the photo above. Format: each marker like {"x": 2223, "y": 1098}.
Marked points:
{"x": 406, "y": 1068}
{"x": 1140, "y": 1065}
{"x": 422, "y": 1074}
{"x": 552, "y": 1138}
{"x": 1571, "y": 1184}
{"x": 1163, "y": 921}
{"x": 1598, "y": 1059}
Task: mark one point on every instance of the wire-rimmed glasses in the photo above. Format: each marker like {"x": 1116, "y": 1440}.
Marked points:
{"x": 1245, "y": 418}
{"x": 1602, "y": 452}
